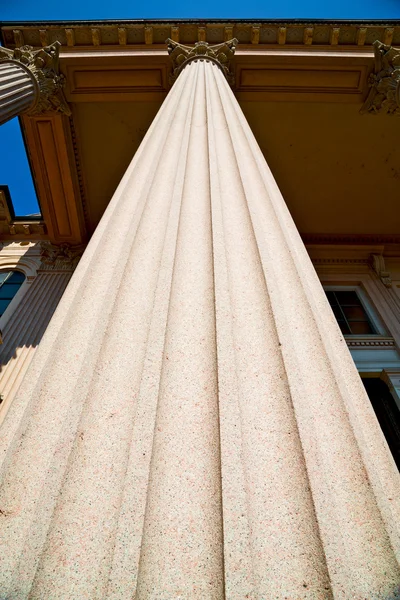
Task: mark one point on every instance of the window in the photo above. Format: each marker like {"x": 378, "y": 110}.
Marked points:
{"x": 387, "y": 413}
{"x": 350, "y": 313}
{"x": 10, "y": 282}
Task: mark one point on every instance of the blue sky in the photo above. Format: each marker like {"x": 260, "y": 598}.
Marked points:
{"x": 205, "y": 9}
{"x": 14, "y": 169}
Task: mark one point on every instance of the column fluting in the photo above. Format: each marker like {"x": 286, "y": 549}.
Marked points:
{"x": 30, "y": 81}
{"x": 18, "y": 89}
{"x": 192, "y": 424}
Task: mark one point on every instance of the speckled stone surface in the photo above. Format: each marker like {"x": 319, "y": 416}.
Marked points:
{"x": 192, "y": 425}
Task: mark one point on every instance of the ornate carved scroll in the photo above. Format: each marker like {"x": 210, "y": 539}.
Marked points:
{"x": 221, "y": 55}
{"x": 378, "y": 265}
{"x": 43, "y": 66}
{"x": 384, "y": 93}
{"x": 63, "y": 256}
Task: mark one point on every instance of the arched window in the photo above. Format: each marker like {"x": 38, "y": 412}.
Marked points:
{"x": 10, "y": 282}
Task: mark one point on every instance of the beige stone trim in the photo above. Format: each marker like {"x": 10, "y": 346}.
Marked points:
{"x": 139, "y": 33}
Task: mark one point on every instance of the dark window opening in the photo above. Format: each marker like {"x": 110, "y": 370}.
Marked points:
{"x": 387, "y": 413}
{"x": 10, "y": 282}
{"x": 350, "y": 314}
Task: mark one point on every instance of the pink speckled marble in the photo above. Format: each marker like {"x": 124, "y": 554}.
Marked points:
{"x": 193, "y": 426}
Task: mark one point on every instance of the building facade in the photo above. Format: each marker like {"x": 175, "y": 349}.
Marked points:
{"x": 184, "y": 326}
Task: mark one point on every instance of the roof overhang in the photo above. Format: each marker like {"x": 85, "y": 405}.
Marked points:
{"x": 117, "y": 62}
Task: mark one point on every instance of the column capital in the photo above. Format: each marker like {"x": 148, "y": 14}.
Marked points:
{"x": 42, "y": 65}
{"x": 384, "y": 93}
{"x": 377, "y": 262}
{"x": 61, "y": 257}
{"x": 221, "y": 55}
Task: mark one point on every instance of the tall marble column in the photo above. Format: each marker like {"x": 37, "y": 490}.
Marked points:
{"x": 30, "y": 82}
{"x": 18, "y": 89}
{"x": 192, "y": 425}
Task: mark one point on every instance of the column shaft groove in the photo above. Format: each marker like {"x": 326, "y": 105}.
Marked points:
{"x": 189, "y": 426}
{"x": 18, "y": 90}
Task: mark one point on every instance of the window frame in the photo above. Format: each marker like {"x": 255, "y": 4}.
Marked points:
{"x": 4, "y": 318}
{"x": 372, "y": 314}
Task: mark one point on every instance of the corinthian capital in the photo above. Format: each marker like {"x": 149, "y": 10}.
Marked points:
{"x": 63, "y": 256}
{"x": 384, "y": 93}
{"x": 43, "y": 66}
{"x": 221, "y": 55}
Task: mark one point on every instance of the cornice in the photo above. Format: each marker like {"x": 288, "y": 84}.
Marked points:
{"x": 370, "y": 342}
{"x": 12, "y": 227}
{"x": 348, "y": 238}
{"x": 251, "y": 32}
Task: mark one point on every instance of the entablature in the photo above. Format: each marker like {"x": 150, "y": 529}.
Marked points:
{"x": 261, "y": 32}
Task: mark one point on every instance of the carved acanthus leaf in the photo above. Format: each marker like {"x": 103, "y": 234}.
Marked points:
{"x": 384, "y": 93}
{"x": 43, "y": 64}
{"x": 64, "y": 255}
{"x": 378, "y": 265}
{"x": 221, "y": 55}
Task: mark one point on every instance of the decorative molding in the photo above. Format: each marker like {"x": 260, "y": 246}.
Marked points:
{"x": 122, "y": 39}
{"x": 152, "y": 32}
{"x": 96, "y": 36}
{"x": 276, "y": 78}
{"x": 17, "y": 227}
{"x": 361, "y": 36}
{"x": 228, "y": 33}
{"x": 370, "y": 342}
{"x": 221, "y": 55}
{"x": 349, "y": 238}
{"x": 378, "y": 264}
{"x": 18, "y": 37}
{"x": 339, "y": 261}
{"x": 308, "y": 36}
{"x": 255, "y": 35}
{"x": 112, "y": 82}
{"x": 70, "y": 35}
{"x": 334, "y": 37}
{"x": 384, "y": 93}
{"x": 388, "y": 36}
{"x": 142, "y": 75}
{"x": 43, "y": 65}
{"x": 201, "y": 34}
{"x": 78, "y": 165}
{"x": 23, "y": 256}
{"x": 62, "y": 257}
{"x": 175, "y": 34}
